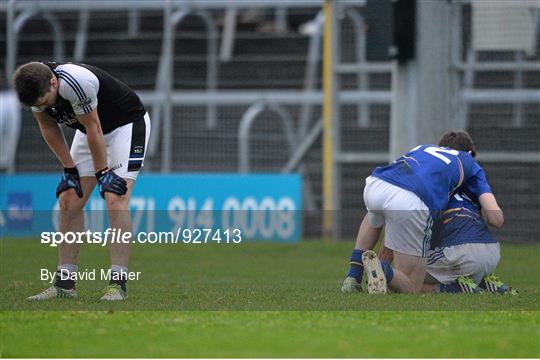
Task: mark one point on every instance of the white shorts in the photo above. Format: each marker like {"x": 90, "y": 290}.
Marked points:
{"x": 126, "y": 148}
{"x": 475, "y": 260}
{"x": 406, "y": 218}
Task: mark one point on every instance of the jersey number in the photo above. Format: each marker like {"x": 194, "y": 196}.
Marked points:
{"x": 437, "y": 152}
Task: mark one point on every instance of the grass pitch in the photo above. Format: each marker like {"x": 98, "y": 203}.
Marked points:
{"x": 258, "y": 300}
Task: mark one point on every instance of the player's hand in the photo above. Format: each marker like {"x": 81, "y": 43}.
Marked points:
{"x": 108, "y": 181}
{"x": 70, "y": 180}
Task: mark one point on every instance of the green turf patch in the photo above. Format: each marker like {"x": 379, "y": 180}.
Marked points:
{"x": 303, "y": 277}
{"x": 270, "y": 334}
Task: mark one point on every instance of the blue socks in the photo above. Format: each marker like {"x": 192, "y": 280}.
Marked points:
{"x": 453, "y": 287}
{"x": 388, "y": 271}
{"x": 357, "y": 268}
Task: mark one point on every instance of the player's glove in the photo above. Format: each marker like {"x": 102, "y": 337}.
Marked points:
{"x": 70, "y": 180}
{"x": 108, "y": 181}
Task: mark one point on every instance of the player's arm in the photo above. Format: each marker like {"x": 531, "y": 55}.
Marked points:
{"x": 54, "y": 137}
{"x": 82, "y": 93}
{"x": 107, "y": 180}
{"x": 80, "y": 87}
{"x": 95, "y": 138}
{"x": 491, "y": 210}
{"x": 478, "y": 186}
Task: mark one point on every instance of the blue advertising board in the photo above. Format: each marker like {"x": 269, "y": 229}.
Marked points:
{"x": 262, "y": 206}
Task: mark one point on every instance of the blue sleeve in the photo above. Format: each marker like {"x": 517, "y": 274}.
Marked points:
{"x": 475, "y": 180}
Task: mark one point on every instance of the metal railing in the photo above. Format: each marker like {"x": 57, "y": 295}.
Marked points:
{"x": 244, "y": 130}
{"x": 165, "y": 83}
{"x": 19, "y": 11}
{"x": 471, "y": 65}
{"x": 15, "y": 23}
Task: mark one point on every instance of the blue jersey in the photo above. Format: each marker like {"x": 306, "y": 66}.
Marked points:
{"x": 461, "y": 224}
{"x": 434, "y": 174}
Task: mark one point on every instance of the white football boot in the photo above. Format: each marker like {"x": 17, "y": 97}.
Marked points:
{"x": 114, "y": 292}
{"x": 54, "y": 292}
{"x": 350, "y": 285}
{"x": 376, "y": 281}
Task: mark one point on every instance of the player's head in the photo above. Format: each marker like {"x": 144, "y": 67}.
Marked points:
{"x": 35, "y": 85}
{"x": 458, "y": 140}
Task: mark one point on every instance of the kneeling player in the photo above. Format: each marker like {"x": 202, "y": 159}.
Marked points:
{"x": 467, "y": 255}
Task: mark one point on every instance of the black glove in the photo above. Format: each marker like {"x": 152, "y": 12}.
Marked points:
{"x": 70, "y": 180}
{"x": 108, "y": 181}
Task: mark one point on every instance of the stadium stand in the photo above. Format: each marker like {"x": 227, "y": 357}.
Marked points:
{"x": 270, "y": 60}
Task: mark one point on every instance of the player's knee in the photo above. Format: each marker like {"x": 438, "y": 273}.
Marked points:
{"x": 69, "y": 201}
{"x": 116, "y": 203}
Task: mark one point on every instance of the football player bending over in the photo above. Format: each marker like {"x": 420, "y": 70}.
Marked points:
{"x": 112, "y": 131}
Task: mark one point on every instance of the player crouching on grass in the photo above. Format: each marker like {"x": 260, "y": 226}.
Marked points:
{"x": 407, "y": 196}
{"x": 466, "y": 253}
{"x": 108, "y": 150}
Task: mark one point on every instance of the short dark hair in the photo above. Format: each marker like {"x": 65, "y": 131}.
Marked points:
{"x": 458, "y": 140}
{"x": 31, "y": 81}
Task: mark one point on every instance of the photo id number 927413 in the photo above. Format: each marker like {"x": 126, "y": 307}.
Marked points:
{"x": 206, "y": 236}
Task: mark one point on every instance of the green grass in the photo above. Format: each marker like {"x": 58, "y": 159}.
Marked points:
{"x": 270, "y": 334}
{"x": 258, "y": 300}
